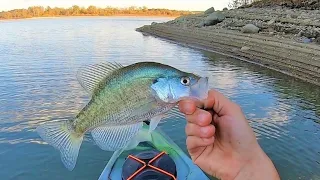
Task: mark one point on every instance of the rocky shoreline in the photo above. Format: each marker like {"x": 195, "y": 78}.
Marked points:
{"x": 283, "y": 39}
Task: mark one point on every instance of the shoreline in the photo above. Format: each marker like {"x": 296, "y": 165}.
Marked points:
{"x": 278, "y": 51}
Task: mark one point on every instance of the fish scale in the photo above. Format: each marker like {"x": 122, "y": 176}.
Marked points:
{"x": 107, "y": 106}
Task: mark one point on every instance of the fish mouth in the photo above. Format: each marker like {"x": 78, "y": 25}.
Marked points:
{"x": 200, "y": 89}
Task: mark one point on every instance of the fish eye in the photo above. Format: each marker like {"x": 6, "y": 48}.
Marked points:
{"x": 185, "y": 81}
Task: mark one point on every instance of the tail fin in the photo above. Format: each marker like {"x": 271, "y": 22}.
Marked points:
{"x": 61, "y": 136}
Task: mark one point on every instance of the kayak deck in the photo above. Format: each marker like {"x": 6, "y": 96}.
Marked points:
{"x": 186, "y": 169}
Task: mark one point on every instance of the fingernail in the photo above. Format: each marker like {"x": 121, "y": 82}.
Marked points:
{"x": 203, "y": 119}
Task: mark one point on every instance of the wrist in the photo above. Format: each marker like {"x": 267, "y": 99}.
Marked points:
{"x": 258, "y": 167}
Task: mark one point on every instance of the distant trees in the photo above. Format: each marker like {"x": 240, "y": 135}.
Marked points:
{"x": 39, "y": 11}
{"x": 36, "y": 11}
{"x": 92, "y": 10}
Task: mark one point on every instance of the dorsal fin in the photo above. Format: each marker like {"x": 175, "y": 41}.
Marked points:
{"x": 90, "y": 76}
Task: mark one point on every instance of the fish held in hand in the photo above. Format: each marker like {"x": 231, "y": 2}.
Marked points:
{"x": 122, "y": 97}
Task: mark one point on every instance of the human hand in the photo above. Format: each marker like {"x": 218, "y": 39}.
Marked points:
{"x": 222, "y": 143}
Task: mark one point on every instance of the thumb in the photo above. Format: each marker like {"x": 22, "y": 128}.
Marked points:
{"x": 220, "y": 104}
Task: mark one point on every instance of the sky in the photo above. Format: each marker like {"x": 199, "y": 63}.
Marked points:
{"x": 194, "y": 5}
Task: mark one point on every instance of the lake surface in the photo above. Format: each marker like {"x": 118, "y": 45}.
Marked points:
{"x": 39, "y": 59}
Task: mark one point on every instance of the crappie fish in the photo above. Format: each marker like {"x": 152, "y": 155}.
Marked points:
{"x": 122, "y": 97}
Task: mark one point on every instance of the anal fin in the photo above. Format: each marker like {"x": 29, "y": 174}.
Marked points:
{"x": 112, "y": 138}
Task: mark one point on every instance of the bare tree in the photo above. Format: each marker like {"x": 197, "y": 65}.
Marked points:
{"x": 234, "y": 4}
{"x": 237, "y": 3}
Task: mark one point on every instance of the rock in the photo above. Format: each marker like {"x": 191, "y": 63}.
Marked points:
{"x": 310, "y": 33}
{"x": 234, "y": 49}
{"x": 291, "y": 30}
{"x": 179, "y": 19}
{"x": 303, "y": 4}
{"x": 153, "y": 23}
{"x": 300, "y": 33}
{"x": 287, "y": 11}
{"x": 250, "y": 28}
{"x": 145, "y": 34}
{"x": 214, "y": 18}
{"x": 317, "y": 40}
{"x": 272, "y": 21}
{"x": 245, "y": 48}
{"x": 201, "y": 24}
{"x": 271, "y": 33}
{"x": 306, "y": 21}
{"x": 225, "y": 9}
{"x": 209, "y": 11}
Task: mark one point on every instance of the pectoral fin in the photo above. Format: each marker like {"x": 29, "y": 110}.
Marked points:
{"x": 173, "y": 113}
{"x": 154, "y": 122}
{"x": 112, "y": 138}
{"x": 142, "y": 136}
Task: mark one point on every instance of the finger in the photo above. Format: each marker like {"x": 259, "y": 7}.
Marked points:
{"x": 200, "y": 117}
{"x": 187, "y": 107}
{"x": 220, "y": 104}
{"x": 215, "y": 119}
{"x": 211, "y": 112}
{"x": 203, "y": 132}
{"x": 195, "y": 142}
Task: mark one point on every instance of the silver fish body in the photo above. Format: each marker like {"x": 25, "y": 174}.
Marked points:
{"x": 125, "y": 97}
{"x": 121, "y": 99}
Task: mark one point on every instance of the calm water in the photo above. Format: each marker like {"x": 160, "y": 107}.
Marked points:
{"x": 39, "y": 59}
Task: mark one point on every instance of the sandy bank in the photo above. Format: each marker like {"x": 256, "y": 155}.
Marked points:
{"x": 286, "y": 40}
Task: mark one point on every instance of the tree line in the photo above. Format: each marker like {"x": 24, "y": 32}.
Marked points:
{"x": 39, "y": 11}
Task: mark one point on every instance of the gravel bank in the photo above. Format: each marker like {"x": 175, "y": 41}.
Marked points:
{"x": 285, "y": 40}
